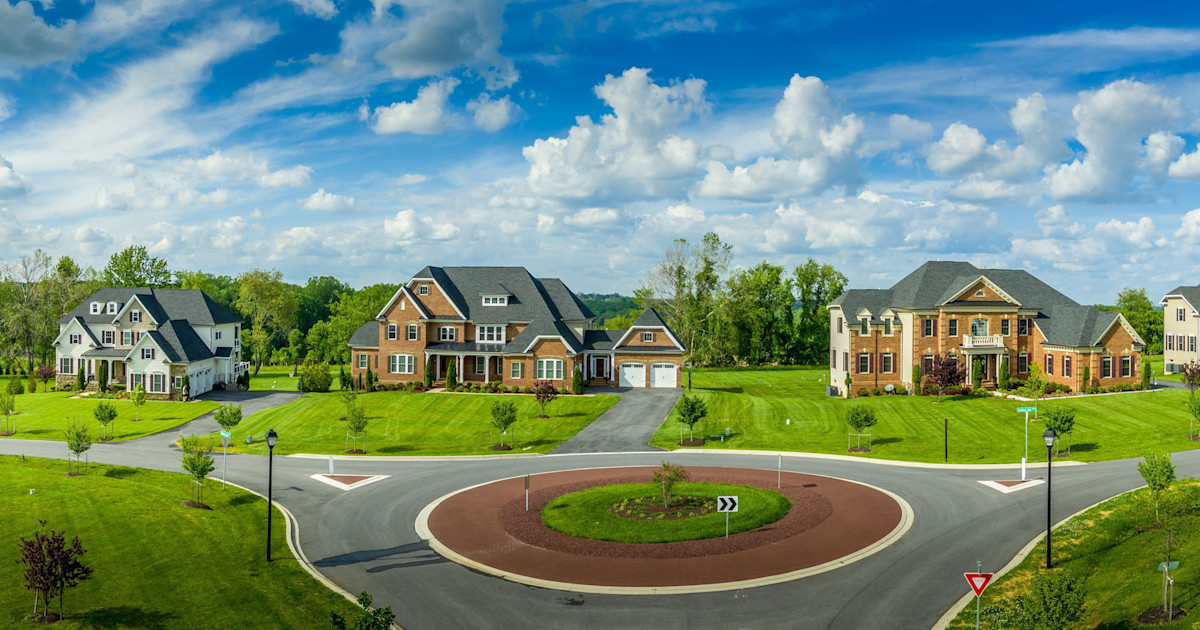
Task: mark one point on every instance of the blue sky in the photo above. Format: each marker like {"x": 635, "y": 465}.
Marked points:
{"x": 368, "y": 139}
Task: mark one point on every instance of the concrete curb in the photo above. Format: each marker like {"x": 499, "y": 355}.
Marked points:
{"x": 422, "y": 529}
{"x": 414, "y": 458}
{"x": 962, "y": 603}
{"x": 869, "y": 460}
{"x": 293, "y": 539}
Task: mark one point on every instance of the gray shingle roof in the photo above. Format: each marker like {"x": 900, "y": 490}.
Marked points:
{"x": 601, "y": 339}
{"x": 163, "y": 305}
{"x": 180, "y": 342}
{"x": 1191, "y": 294}
{"x": 367, "y": 336}
{"x": 650, "y": 318}
{"x": 1062, "y": 320}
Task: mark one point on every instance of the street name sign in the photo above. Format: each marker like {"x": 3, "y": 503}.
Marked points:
{"x": 1026, "y": 409}
{"x": 978, "y": 581}
{"x": 727, "y": 504}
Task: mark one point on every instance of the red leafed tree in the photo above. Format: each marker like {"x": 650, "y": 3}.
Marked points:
{"x": 44, "y": 373}
{"x": 945, "y": 373}
{"x": 52, "y": 567}
{"x": 545, "y": 393}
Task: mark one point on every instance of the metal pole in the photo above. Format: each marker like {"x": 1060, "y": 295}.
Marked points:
{"x": 1026, "y": 437}
{"x": 224, "y": 465}
{"x": 270, "y": 472}
{"x": 526, "y": 493}
{"x": 727, "y": 524}
{"x": 978, "y": 569}
{"x": 779, "y": 474}
{"x": 946, "y": 439}
{"x": 1047, "y": 506}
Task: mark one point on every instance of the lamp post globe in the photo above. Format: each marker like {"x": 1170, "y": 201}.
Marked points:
{"x": 271, "y": 439}
{"x": 1049, "y": 436}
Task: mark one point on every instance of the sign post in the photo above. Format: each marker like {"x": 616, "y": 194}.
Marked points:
{"x": 727, "y": 505}
{"x": 779, "y": 474}
{"x": 225, "y": 436}
{"x": 526, "y": 493}
{"x": 1026, "y": 411}
{"x": 978, "y": 582}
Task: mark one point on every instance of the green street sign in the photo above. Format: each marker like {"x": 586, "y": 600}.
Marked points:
{"x": 226, "y": 434}
{"x": 1026, "y": 409}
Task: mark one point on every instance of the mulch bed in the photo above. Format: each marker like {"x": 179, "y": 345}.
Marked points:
{"x": 692, "y": 442}
{"x": 652, "y": 509}
{"x": 1155, "y": 616}
{"x": 499, "y": 447}
{"x": 194, "y": 504}
{"x": 74, "y": 474}
{"x": 1194, "y": 438}
{"x": 347, "y": 479}
{"x": 1013, "y": 483}
{"x": 859, "y": 449}
{"x": 808, "y": 510}
{"x": 7, "y": 433}
{"x": 105, "y": 439}
{"x": 342, "y": 419}
{"x": 355, "y": 451}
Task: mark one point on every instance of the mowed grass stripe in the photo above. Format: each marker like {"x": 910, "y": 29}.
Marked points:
{"x": 402, "y": 423}
{"x": 46, "y": 416}
{"x": 755, "y": 403}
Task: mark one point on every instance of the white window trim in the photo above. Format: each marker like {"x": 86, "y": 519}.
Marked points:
{"x": 393, "y": 332}
{"x": 648, "y": 336}
{"x": 178, "y": 382}
{"x": 952, "y": 327}
{"x": 397, "y": 364}
{"x": 442, "y": 336}
{"x": 480, "y": 365}
{"x": 495, "y": 300}
{"x": 108, "y": 336}
{"x": 515, "y": 369}
{"x": 362, "y": 360}
{"x": 112, "y": 308}
{"x": 135, "y": 315}
{"x": 412, "y": 332}
{"x": 423, "y": 289}
{"x": 162, "y": 388}
{"x": 124, "y": 341}
{"x": 555, "y": 373}
{"x": 490, "y": 334}
{"x": 859, "y": 365}
{"x": 216, "y": 334}
{"x": 1180, "y": 314}
{"x": 97, "y": 308}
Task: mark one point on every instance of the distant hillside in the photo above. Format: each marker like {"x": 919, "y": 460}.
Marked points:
{"x": 607, "y": 305}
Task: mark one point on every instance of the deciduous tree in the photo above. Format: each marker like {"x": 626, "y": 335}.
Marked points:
{"x": 45, "y": 373}
{"x": 760, "y": 314}
{"x": 52, "y": 567}
{"x": 814, "y": 285}
{"x": 356, "y": 421}
{"x": 228, "y": 416}
{"x": 504, "y": 414}
{"x": 270, "y": 305}
{"x": 945, "y": 373}
{"x": 106, "y": 414}
{"x": 138, "y": 398}
{"x": 198, "y": 462}
{"x": 377, "y": 619}
{"x": 690, "y": 410}
{"x": 78, "y": 439}
{"x": 668, "y": 475}
{"x": 545, "y": 393}
{"x": 28, "y": 322}
{"x": 8, "y": 406}
{"x": 1062, "y": 420}
{"x": 135, "y": 267}
{"x": 860, "y": 418}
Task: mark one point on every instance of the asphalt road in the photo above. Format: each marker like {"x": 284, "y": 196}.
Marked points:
{"x": 627, "y": 426}
{"x": 364, "y": 539}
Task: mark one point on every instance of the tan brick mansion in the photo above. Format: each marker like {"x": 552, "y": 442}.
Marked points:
{"x": 958, "y": 310}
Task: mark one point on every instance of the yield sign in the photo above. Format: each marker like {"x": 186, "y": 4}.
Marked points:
{"x": 978, "y": 581}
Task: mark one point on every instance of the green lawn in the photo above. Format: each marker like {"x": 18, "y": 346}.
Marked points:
{"x": 279, "y": 378}
{"x": 1156, "y": 362}
{"x": 402, "y": 423}
{"x": 1117, "y": 559}
{"x": 585, "y": 514}
{"x": 156, "y": 564}
{"x": 46, "y": 416}
{"x": 755, "y": 403}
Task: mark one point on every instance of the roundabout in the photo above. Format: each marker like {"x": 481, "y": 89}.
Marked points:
{"x": 832, "y": 523}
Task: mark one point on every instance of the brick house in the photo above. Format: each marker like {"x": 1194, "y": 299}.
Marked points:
{"x": 958, "y": 310}
{"x": 502, "y": 324}
{"x": 150, "y": 336}
{"x": 1181, "y": 324}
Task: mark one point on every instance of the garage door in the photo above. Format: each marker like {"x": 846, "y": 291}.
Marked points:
{"x": 662, "y": 375}
{"x": 633, "y": 375}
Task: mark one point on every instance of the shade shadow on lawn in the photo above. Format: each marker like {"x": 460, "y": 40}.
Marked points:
{"x": 120, "y": 473}
{"x": 126, "y": 617}
{"x": 243, "y": 499}
{"x": 888, "y": 440}
{"x": 394, "y": 448}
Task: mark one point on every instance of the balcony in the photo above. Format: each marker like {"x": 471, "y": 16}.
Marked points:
{"x": 982, "y": 341}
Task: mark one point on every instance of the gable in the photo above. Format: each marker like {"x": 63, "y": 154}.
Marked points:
{"x": 146, "y": 341}
{"x": 981, "y": 289}
{"x": 437, "y": 302}
{"x": 75, "y": 327}
{"x": 135, "y": 303}
{"x": 1120, "y": 333}
{"x": 660, "y": 338}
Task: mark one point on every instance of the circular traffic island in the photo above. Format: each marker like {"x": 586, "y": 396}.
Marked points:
{"x": 609, "y": 531}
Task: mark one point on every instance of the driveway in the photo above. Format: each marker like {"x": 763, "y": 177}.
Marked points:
{"x": 628, "y": 425}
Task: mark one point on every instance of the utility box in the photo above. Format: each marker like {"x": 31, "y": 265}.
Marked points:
{"x": 831, "y": 391}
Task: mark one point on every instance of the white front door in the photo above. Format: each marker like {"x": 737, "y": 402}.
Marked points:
{"x": 662, "y": 375}
{"x": 633, "y": 375}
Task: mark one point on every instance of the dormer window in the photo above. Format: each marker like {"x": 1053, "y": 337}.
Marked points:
{"x": 96, "y": 307}
{"x": 75, "y": 338}
{"x": 112, "y": 308}
{"x": 423, "y": 289}
{"x": 648, "y": 337}
{"x": 135, "y": 316}
{"x": 495, "y": 300}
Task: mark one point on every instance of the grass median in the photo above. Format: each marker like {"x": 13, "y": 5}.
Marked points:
{"x": 156, "y": 563}
{"x": 46, "y": 416}
{"x": 755, "y": 405}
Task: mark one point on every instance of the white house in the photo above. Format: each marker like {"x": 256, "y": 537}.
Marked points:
{"x": 153, "y": 337}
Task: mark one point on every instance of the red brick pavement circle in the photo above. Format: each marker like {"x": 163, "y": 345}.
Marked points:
{"x": 469, "y": 524}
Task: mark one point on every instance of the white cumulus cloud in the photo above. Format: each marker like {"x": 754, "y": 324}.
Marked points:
{"x": 328, "y": 202}
{"x": 493, "y": 115}
{"x": 423, "y": 115}
{"x": 324, "y": 9}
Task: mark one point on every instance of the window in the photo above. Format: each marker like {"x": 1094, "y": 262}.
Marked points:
{"x": 135, "y": 315}
{"x": 952, "y": 328}
{"x": 1004, "y": 330}
{"x": 1106, "y": 369}
{"x": 391, "y": 331}
{"x": 480, "y": 364}
{"x": 147, "y": 353}
{"x": 112, "y": 308}
{"x": 158, "y": 383}
{"x": 839, "y": 325}
{"x": 107, "y": 335}
{"x": 979, "y": 293}
{"x": 446, "y": 333}
{"x": 1179, "y": 342}
{"x": 1022, "y": 326}
{"x": 864, "y": 363}
{"x": 423, "y": 289}
{"x": 96, "y": 308}
{"x": 1126, "y": 366}
{"x": 64, "y": 365}
{"x": 178, "y": 382}
{"x": 489, "y": 333}
{"x": 414, "y": 332}
{"x": 1050, "y": 364}
{"x": 74, "y": 338}
{"x": 400, "y": 363}
{"x": 1170, "y": 342}
{"x": 495, "y": 300}
{"x": 866, "y": 327}
{"x": 926, "y": 363}
{"x": 1066, "y": 366}
{"x": 885, "y": 362}
{"x": 362, "y": 360}
{"x": 550, "y": 369}
{"x": 979, "y": 327}
{"x": 217, "y": 335}
{"x": 1180, "y": 314}
{"x": 1022, "y": 363}
{"x": 1191, "y": 343}
{"x": 846, "y": 361}
{"x": 887, "y": 327}
{"x": 515, "y": 369}
{"x": 647, "y": 337}
{"x": 833, "y": 359}
{"x": 928, "y": 327}
{"x": 126, "y": 338}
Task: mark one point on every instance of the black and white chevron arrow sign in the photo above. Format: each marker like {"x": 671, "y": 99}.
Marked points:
{"x": 727, "y": 504}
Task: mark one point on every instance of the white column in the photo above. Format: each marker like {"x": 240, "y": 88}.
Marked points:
{"x": 487, "y": 369}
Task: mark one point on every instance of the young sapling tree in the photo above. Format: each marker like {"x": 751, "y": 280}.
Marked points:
{"x": 667, "y": 476}
{"x": 79, "y": 440}
{"x": 504, "y": 414}
{"x": 198, "y": 462}
{"x": 860, "y": 418}
{"x": 545, "y": 393}
{"x": 106, "y": 414}
{"x": 138, "y": 398}
{"x": 690, "y": 410}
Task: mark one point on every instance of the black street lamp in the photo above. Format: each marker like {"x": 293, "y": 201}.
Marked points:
{"x": 1049, "y": 436}
{"x": 271, "y": 437}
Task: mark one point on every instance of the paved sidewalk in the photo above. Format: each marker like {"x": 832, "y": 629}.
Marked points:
{"x": 628, "y": 425}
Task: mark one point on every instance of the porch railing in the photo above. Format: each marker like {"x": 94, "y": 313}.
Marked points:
{"x": 982, "y": 341}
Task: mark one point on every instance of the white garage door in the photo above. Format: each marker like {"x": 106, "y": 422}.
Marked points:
{"x": 633, "y": 375}
{"x": 662, "y": 375}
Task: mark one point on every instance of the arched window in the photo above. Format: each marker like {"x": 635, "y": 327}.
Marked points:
{"x": 979, "y": 327}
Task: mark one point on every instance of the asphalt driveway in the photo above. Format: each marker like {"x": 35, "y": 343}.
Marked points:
{"x": 628, "y": 425}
